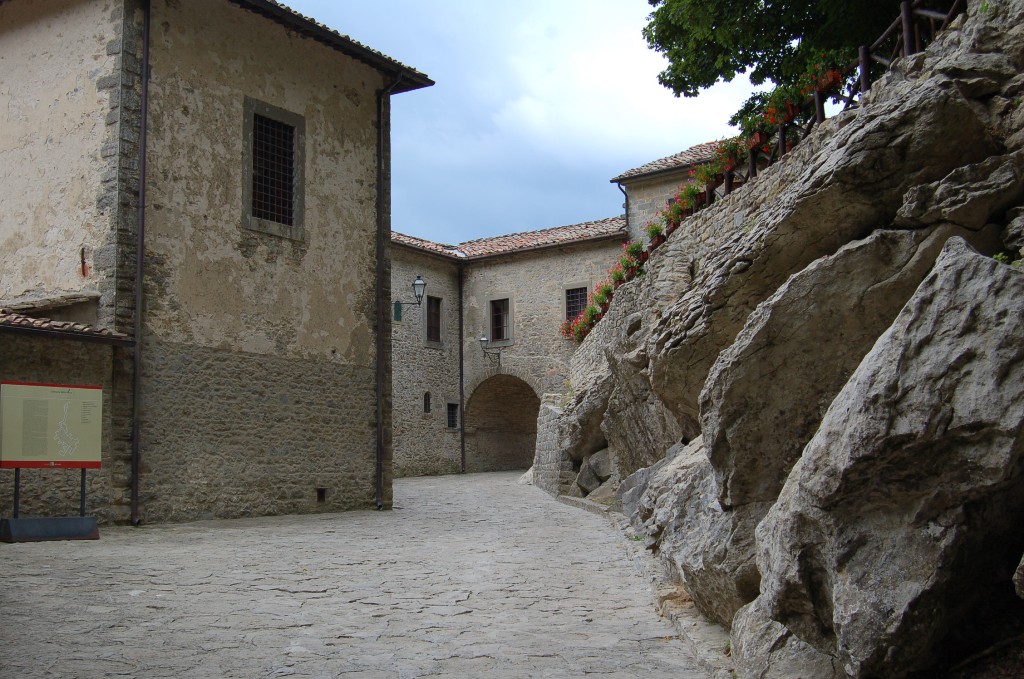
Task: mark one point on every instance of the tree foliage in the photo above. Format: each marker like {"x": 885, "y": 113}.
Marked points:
{"x": 708, "y": 40}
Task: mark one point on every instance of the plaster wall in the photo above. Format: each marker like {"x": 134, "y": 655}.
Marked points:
{"x": 55, "y": 61}
{"x": 535, "y": 284}
{"x": 211, "y": 282}
{"x": 424, "y": 444}
{"x": 259, "y": 357}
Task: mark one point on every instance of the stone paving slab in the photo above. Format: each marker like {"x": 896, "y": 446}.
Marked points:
{"x": 469, "y": 576}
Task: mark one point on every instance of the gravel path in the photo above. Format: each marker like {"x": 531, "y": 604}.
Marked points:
{"x": 469, "y": 576}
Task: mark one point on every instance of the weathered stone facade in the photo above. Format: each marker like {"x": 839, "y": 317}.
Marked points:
{"x": 424, "y": 443}
{"x": 500, "y": 396}
{"x": 263, "y": 390}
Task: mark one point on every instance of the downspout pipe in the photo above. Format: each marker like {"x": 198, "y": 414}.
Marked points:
{"x": 140, "y": 242}
{"x": 625, "y": 206}
{"x": 383, "y": 236}
{"x": 462, "y": 373}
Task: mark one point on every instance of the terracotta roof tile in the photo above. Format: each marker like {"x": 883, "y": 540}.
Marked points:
{"x": 528, "y": 240}
{"x": 612, "y": 227}
{"x": 10, "y": 319}
{"x": 700, "y": 153}
{"x": 423, "y": 244}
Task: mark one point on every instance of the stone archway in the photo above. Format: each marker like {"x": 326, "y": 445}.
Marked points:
{"x": 501, "y": 425}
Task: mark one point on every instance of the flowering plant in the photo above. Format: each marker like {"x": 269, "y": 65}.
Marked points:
{"x": 632, "y": 249}
{"x": 617, "y": 274}
{"x": 688, "y": 196}
{"x": 654, "y": 230}
{"x": 705, "y": 173}
{"x": 828, "y": 68}
{"x": 730, "y": 153}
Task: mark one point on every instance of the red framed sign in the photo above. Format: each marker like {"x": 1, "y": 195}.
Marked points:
{"x": 50, "y": 425}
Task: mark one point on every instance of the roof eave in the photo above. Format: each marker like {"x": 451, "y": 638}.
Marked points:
{"x": 653, "y": 174}
{"x": 411, "y": 79}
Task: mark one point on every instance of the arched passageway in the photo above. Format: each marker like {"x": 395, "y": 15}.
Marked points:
{"x": 501, "y": 425}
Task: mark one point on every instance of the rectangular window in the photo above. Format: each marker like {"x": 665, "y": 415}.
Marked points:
{"x": 433, "y": 319}
{"x": 453, "y": 415}
{"x": 499, "y": 320}
{"x": 274, "y": 170}
{"x": 575, "y": 302}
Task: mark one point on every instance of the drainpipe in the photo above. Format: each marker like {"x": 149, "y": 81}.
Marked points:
{"x": 626, "y": 205}
{"x": 383, "y": 235}
{"x": 462, "y": 375}
{"x": 140, "y": 241}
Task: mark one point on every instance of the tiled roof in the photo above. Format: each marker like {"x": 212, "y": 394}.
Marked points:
{"x": 422, "y": 244}
{"x": 612, "y": 227}
{"x": 700, "y": 153}
{"x": 15, "y": 322}
{"x": 528, "y": 240}
{"x": 309, "y": 27}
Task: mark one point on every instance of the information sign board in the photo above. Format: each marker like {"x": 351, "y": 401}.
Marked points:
{"x": 50, "y": 425}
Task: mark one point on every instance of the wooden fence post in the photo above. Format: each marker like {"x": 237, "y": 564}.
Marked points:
{"x": 819, "y": 107}
{"x": 752, "y": 164}
{"x": 865, "y": 69}
{"x": 908, "y": 28}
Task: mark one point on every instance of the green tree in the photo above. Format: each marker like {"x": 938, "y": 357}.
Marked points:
{"x": 708, "y": 40}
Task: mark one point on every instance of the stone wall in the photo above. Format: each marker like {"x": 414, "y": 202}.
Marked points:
{"x": 230, "y": 434}
{"x": 535, "y": 284}
{"x": 55, "y": 492}
{"x": 648, "y": 197}
{"x": 424, "y": 444}
{"x": 57, "y": 146}
{"x": 552, "y": 471}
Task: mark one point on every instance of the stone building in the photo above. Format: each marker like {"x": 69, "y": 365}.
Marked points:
{"x": 514, "y": 290}
{"x": 247, "y": 179}
{"x": 648, "y": 188}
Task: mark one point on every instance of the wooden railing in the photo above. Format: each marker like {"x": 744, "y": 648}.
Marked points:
{"x": 911, "y": 32}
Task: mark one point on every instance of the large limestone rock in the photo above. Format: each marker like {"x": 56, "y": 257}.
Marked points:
{"x": 764, "y": 649}
{"x": 766, "y": 394}
{"x": 838, "y": 191}
{"x": 969, "y": 196}
{"x": 907, "y": 504}
{"x": 711, "y": 549}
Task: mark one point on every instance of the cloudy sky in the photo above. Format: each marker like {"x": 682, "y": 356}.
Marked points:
{"x": 538, "y": 104}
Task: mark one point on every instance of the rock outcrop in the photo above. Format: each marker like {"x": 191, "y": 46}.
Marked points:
{"x": 817, "y": 417}
{"x": 903, "y": 515}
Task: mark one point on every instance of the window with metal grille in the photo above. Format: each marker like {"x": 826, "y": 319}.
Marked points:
{"x": 273, "y": 170}
{"x": 453, "y": 415}
{"x": 433, "y": 319}
{"x": 575, "y": 302}
{"x": 499, "y": 320}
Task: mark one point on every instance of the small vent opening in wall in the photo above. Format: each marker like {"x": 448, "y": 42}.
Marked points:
{"x": 321, "y": 495}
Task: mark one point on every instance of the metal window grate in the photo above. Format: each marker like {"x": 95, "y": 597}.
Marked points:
{"x": 575, "y": 302}
{"x": 273, "y": 170}
{"x": 433, "y": 319}
{"x": 499, "y": 320}
{"x": 453, "y": 415}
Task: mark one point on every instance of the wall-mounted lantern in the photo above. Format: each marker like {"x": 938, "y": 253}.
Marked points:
{"x": 492, "y": 353}
{"x": 419, "y": 286}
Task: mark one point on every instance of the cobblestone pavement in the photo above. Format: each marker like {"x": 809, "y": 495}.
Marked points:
{"x": 469, "y": 576}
